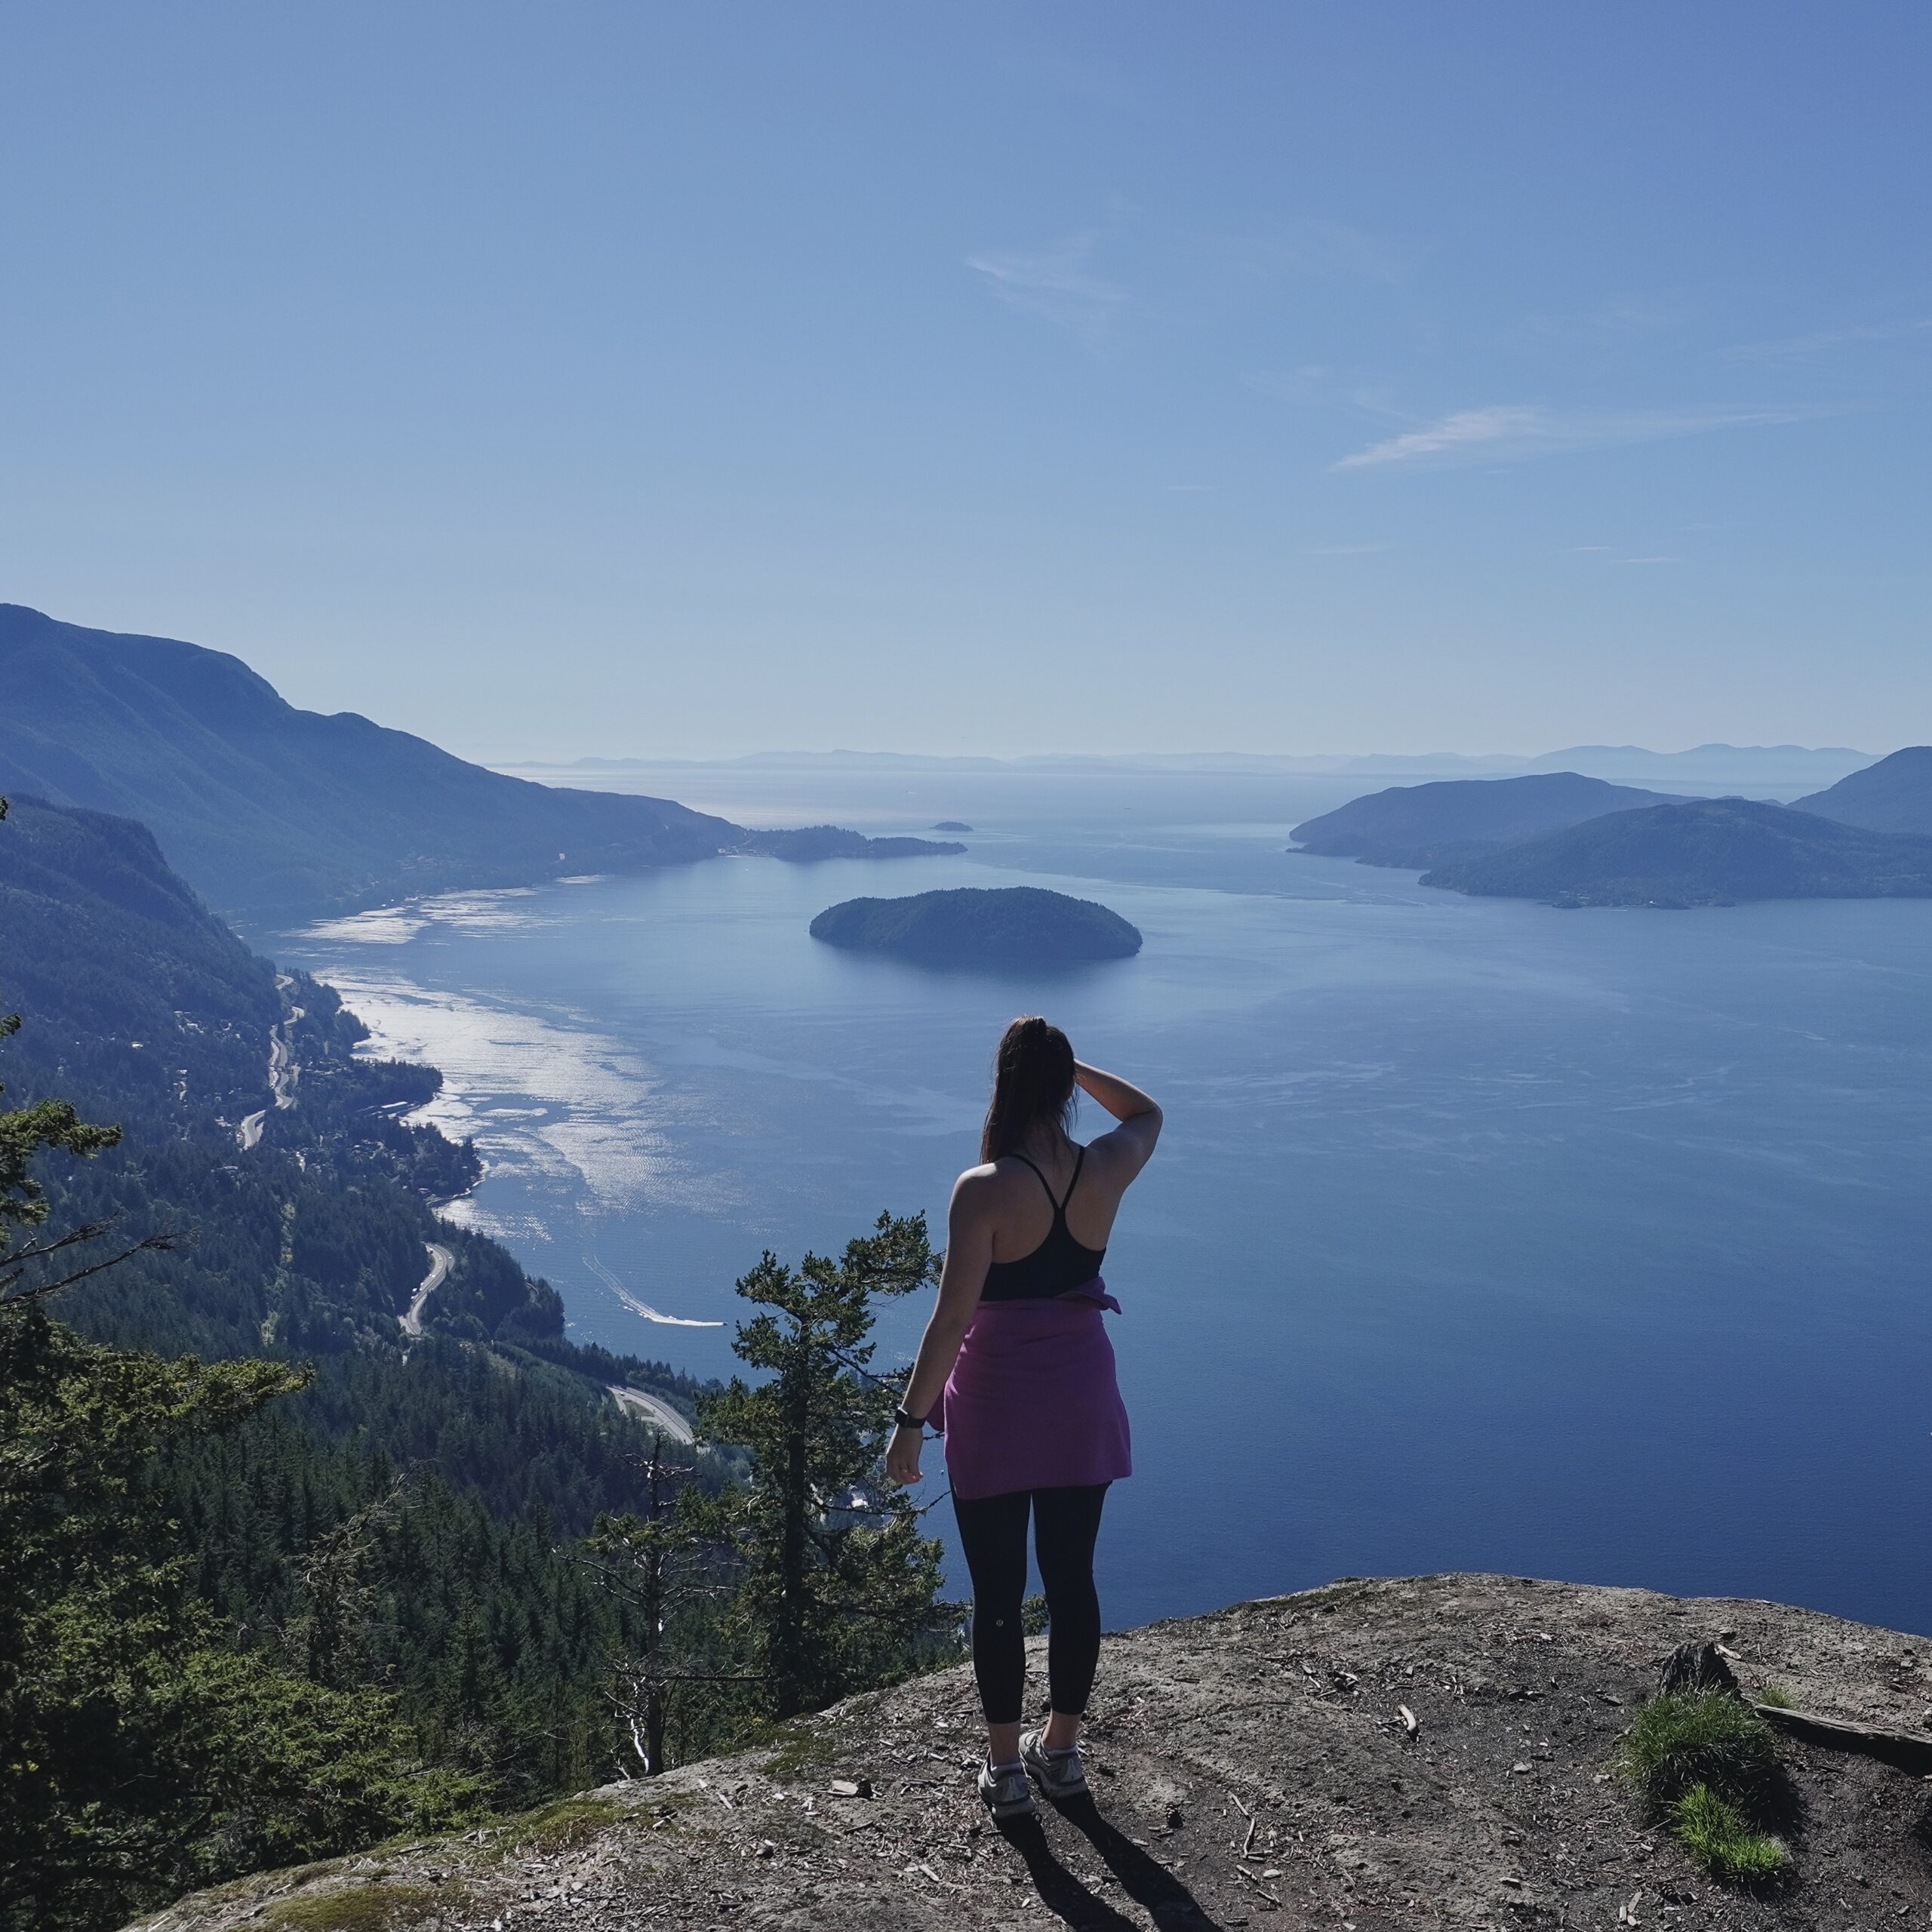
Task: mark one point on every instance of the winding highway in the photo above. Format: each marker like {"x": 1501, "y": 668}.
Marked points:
{"x": 283, "y": 1074}
{"x": 442, "y": 1260}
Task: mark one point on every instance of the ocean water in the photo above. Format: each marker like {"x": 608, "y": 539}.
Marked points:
{"x": 1591, "y": 1245}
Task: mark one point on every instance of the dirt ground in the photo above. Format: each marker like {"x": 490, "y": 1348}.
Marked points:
{"x": 1249, "y": 1768}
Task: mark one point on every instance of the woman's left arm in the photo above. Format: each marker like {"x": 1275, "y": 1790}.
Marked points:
{"x": 969, "y": 1252}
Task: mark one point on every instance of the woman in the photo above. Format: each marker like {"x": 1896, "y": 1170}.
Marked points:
{"x": 1015, "y": 1369}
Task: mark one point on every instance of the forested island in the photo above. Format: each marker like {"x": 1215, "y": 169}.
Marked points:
{"x": 953, "y": 825}
{"x": 1463, "y": 818}
{"x": 1705, "y": 852}
{"x": 834, "y": 841}
{"x": 1016, "y": 925}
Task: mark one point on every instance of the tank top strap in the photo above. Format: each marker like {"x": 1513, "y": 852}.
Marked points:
{"x": 1080, "y": 1160}
{"x": 1042, "y": 1180}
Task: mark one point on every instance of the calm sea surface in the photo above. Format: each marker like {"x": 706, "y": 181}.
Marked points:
{"x": 1483, "y": 1235}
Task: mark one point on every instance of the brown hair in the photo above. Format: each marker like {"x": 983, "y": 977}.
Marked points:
{"x": 1033, "y": 1085}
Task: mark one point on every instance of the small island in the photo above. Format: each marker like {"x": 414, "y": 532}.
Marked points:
{"x": 953, "y": 825}
{"x": 1018, "y": 925}
{"x": 833, "y": 841}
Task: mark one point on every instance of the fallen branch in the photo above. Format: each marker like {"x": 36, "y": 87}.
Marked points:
{"x": 1247, "y": 1843}
{"x": 1903, "y": 1749}
{"x": 1273, "y": 1898}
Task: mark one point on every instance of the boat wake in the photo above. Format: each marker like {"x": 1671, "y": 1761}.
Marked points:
{"x": 642, "y": 1307}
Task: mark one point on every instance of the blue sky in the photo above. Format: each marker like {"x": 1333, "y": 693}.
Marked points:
{"x": 588, "y": 378}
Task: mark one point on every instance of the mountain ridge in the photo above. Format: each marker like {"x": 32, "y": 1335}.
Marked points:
{"x": 1434, "y": 824}
{"x": 276, "y": 814}
{"x": 1895, "y": 795}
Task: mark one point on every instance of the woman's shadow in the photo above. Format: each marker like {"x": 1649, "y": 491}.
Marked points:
{"x": 1145, "y": 1880}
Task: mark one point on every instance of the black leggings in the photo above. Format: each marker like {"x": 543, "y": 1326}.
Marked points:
{"x": 992, "y": 1531}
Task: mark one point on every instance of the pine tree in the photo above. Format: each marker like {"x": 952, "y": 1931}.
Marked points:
{"x": 838, "y": 1585}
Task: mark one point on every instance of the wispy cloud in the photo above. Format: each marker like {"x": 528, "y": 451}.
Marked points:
{"x": 1820, "y": 342}
{"x": 1055, "y": 284}
{"x": 1510, "y": 432}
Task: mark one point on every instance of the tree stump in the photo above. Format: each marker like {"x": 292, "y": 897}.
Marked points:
{"x": 1693, "y": 1668}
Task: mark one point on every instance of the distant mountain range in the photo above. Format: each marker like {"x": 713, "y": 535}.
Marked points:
{"x": 276, "y": 814}
{"x": 1703, "y": 852}
{"x": 1462, "y": 818}
{"x": 1017, "y": 925}
{"x": 1704, "y": 767}
{"x": 1775, "y": 768}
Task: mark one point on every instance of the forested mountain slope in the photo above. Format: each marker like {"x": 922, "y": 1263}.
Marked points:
{"x": 1704, "y": 852}
{"x": 417, "y": 1497}
{"x": 278, "y": 813}
{"x": 1895, "y": 795}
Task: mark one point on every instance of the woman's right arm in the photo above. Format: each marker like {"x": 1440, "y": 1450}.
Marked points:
{"x": 969, "y": 1251}
{"x": 1128, "y": 1147}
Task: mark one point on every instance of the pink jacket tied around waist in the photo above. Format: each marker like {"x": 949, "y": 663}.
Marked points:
{"x": 1033, "y": 1402}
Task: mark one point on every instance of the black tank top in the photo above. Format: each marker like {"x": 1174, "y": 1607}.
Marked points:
{"x": 1059, "y": 1263}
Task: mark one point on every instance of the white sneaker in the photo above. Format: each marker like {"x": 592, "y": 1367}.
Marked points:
{"x": 1060, "y": 1773}
{"x": 1006, "y": 1793}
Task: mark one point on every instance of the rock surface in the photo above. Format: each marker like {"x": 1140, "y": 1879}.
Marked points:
{"x": 1250, "y": 1768}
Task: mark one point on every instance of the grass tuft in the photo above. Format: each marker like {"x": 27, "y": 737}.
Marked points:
{"x": 560, "y": 1824}
{"x": 799, "y": 1750}
{"x": 1722, "y": 1840}
{"x": 362, "y": 1908}
{"x": 1779, "y": 1696}
{"x": 1710, "y": 1738}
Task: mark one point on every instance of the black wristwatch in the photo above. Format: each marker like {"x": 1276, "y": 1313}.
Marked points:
{"x": 905, "y": 1421}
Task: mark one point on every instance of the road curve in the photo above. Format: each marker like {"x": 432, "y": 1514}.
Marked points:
{"x": 442, "y": 1260}
{"x": 654, "y": 1410}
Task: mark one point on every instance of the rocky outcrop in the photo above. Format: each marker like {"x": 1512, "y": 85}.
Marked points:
{"x": 1432, "y": 1751}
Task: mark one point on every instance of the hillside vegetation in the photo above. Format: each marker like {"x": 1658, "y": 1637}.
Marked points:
{"x": 320, "y": 1514}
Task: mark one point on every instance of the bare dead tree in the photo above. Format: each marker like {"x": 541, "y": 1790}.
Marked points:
{"x": 654, "y": 1560}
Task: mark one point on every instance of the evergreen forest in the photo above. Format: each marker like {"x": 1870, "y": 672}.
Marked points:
{"x": 284, "y": 1578}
